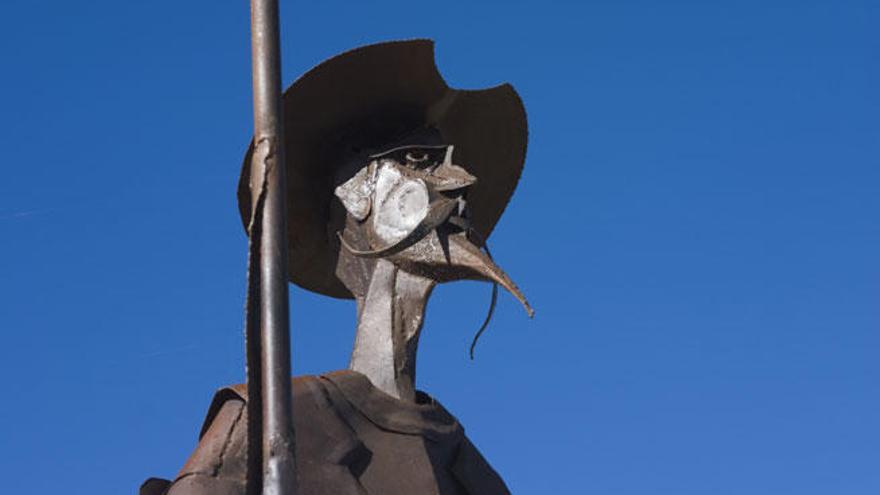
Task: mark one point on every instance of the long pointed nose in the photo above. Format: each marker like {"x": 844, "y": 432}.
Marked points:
{"x": 465, "y": 254}
{"x": 454, "y": 257}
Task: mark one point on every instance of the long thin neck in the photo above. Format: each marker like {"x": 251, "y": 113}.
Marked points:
{"x": 390, "y": 318}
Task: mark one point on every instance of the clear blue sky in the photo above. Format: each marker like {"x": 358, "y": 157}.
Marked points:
{"x": 697, "y": 227}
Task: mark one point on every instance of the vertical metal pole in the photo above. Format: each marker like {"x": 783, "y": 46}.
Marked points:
{"x": 268, "y": 190}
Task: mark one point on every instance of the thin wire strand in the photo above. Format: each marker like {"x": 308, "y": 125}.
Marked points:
{"x": 485, "y": 247}
{"x": 488, "y": 319}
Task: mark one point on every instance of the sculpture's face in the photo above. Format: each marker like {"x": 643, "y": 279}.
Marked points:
{"x": 408, "y": 205}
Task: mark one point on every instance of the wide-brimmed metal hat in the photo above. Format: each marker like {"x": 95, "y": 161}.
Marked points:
{"x": 356, "y": 103}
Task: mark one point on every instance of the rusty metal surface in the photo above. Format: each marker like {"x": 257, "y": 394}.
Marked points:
{"x": 335, "y": 116}
{"x": 352, "y": 439}
{"x": 408, "y": 229}
{"x": 267, "y": 277}
{"x": 393, "y": 190}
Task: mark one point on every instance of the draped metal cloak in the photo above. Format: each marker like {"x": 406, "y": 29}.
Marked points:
{"x": 352, "y": 438}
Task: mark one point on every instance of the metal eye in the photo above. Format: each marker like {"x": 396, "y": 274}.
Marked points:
{"x": 416, "y": 156}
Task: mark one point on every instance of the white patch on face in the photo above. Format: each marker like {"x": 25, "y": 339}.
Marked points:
{"x": 355, "y": 193}
{"x": 401, "y": 203}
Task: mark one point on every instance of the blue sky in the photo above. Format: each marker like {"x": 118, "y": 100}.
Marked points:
{"x": 697, "y": 228}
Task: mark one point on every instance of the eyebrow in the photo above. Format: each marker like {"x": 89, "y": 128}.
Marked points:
{"x": 410, "y": 147}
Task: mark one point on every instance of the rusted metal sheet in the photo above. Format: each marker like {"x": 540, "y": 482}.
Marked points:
{"x": 352, "y": 438}
{"x": 395, "y": 183}
{"x": 369, "y": 100}
{"x": 408, "y": 229}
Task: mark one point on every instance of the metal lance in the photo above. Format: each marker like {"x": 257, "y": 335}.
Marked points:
{"x": 271, "y": 464}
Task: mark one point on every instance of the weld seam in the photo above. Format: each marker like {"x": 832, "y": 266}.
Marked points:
{"x": 228, "y": 440}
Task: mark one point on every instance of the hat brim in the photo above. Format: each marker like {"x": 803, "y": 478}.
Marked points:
{"x": 366, "y": 98}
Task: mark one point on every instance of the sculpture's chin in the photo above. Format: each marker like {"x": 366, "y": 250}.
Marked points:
{"x": 450, "y": 257}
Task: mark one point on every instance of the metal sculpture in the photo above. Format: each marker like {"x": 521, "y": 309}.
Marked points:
{"x": 406, "y": 230}
{"x": 395, "y": 181}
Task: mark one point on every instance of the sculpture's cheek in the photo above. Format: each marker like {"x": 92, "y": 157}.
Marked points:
{"x": 356, "y": 193}
{"x": 401, "y": 204}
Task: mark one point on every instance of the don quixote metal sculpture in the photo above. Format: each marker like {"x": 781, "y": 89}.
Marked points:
{"x": 373, "y": 188}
